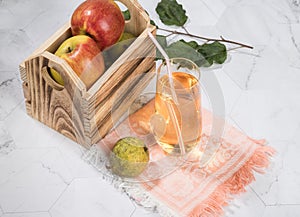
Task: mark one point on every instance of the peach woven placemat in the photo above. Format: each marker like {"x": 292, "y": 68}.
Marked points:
{"x": 190, "y": 189}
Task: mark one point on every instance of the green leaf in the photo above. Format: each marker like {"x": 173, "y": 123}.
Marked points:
{"x": 202, "y": 55}
{"x": 181, "y": 49}
{"x": 162, "y": 40}
{"x": 192, "y": 44}
{"x": 214, "y": 52}
{"x": 126, "y": 15}
{"x": 153, "y": 23}
{"x": 171, "y": 13}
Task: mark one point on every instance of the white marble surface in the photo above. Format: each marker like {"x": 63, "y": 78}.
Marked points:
{"x": 42, "y": 173}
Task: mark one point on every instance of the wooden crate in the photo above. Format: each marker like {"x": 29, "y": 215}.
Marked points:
{"x": 85, "y": 115}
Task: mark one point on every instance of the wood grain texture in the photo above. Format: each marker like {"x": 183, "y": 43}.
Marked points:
{"x": 82, "y": 115}
{"x": 51, "y": 105}
{"x": 119, "y": 102}
{"x": 122, "y": 105}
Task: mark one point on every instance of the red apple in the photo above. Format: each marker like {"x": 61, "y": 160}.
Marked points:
{"x": 102, "y": 20}
{"x": 85, "y": 58}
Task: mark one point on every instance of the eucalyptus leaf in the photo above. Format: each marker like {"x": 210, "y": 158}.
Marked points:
{"x": 171, "y": 13}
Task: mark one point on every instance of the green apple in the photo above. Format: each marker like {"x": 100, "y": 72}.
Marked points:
{"x": 129, "y": 157}
{"x": 85, "y": 58}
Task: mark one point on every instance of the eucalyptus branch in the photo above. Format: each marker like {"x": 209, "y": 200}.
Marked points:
{"x": 205, "y": 38}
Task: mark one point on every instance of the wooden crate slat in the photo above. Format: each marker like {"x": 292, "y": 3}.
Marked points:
{"x": 107, "y": 123}
{"x": 106, "y": 106}
{"x": 139, "y": 48}
{"x": 145, "y": 50}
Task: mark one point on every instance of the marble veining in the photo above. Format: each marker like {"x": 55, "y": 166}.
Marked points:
{"x": 253, "y": 67}
{"x": 6, "y": 82}
{"x": 42, "y": 173}
{"x": 7, "y": 144}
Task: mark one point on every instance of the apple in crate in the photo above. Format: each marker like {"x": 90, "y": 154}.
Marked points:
{"x": 85, "y": 58}
{"x": 102, "y": 20}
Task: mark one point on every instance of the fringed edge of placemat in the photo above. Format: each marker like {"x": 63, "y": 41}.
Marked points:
{"x": 213, "y": 206}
